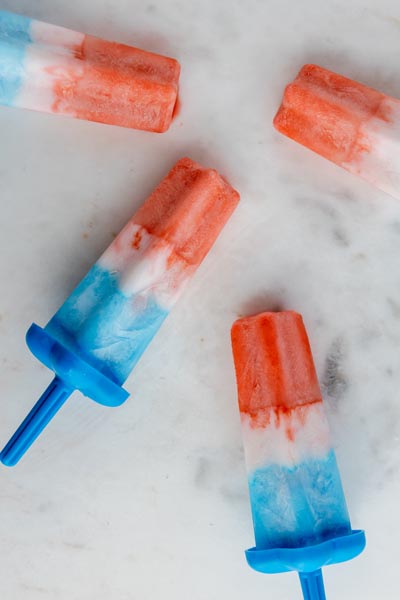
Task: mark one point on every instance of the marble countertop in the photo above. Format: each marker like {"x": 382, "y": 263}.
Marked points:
{"x": 150, "y": 500}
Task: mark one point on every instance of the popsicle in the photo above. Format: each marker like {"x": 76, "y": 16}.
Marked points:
{"x": 353, "y": 125}
{"x": 52, "y": 69}
{"x": 95, "y": 339}
{"x": 298, "y": 506}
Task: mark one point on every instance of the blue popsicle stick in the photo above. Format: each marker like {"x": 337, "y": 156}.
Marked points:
{"x": 312, "y": 585}
{"x": 72, "y": 373}
{"x": 44, "y": 410}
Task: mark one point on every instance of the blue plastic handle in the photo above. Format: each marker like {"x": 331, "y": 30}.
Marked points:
{"x": 71, "y": 373}
{"x": 308, "y": 560}
{"x": 312, "y": 585}
{"x": 31, "y": 427}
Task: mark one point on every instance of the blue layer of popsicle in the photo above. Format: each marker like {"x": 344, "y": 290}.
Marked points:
{"x": 299, "y": 505}
{"x": 104, "y": 327}
{"x": 14, "y": 38}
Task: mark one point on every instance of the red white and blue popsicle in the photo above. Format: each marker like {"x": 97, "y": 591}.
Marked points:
{"x": 52, "y": 69}
{"x": 97, "y": 336}
{"x": 353, "y": 125}
{"x": 298, "y": 505}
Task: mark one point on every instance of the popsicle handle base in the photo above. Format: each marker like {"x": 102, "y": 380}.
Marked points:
{"x": 44, "y": 410}
{"x": 312, "y": 585}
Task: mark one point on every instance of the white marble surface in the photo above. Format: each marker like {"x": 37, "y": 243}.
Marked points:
{"x": 150, "y": 500}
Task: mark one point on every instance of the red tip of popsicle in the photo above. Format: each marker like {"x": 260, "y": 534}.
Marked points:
{"x": 188, "y": 209}
{"x": 324, "y": 111}
{"x": 119, "y": 85}
{"x": 274, "y": 365}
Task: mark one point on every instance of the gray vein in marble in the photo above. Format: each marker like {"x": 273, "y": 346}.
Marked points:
{"x": 394, "y": 306}
{"x": 33, "y": 588}
{"x": 334, "y": 379}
